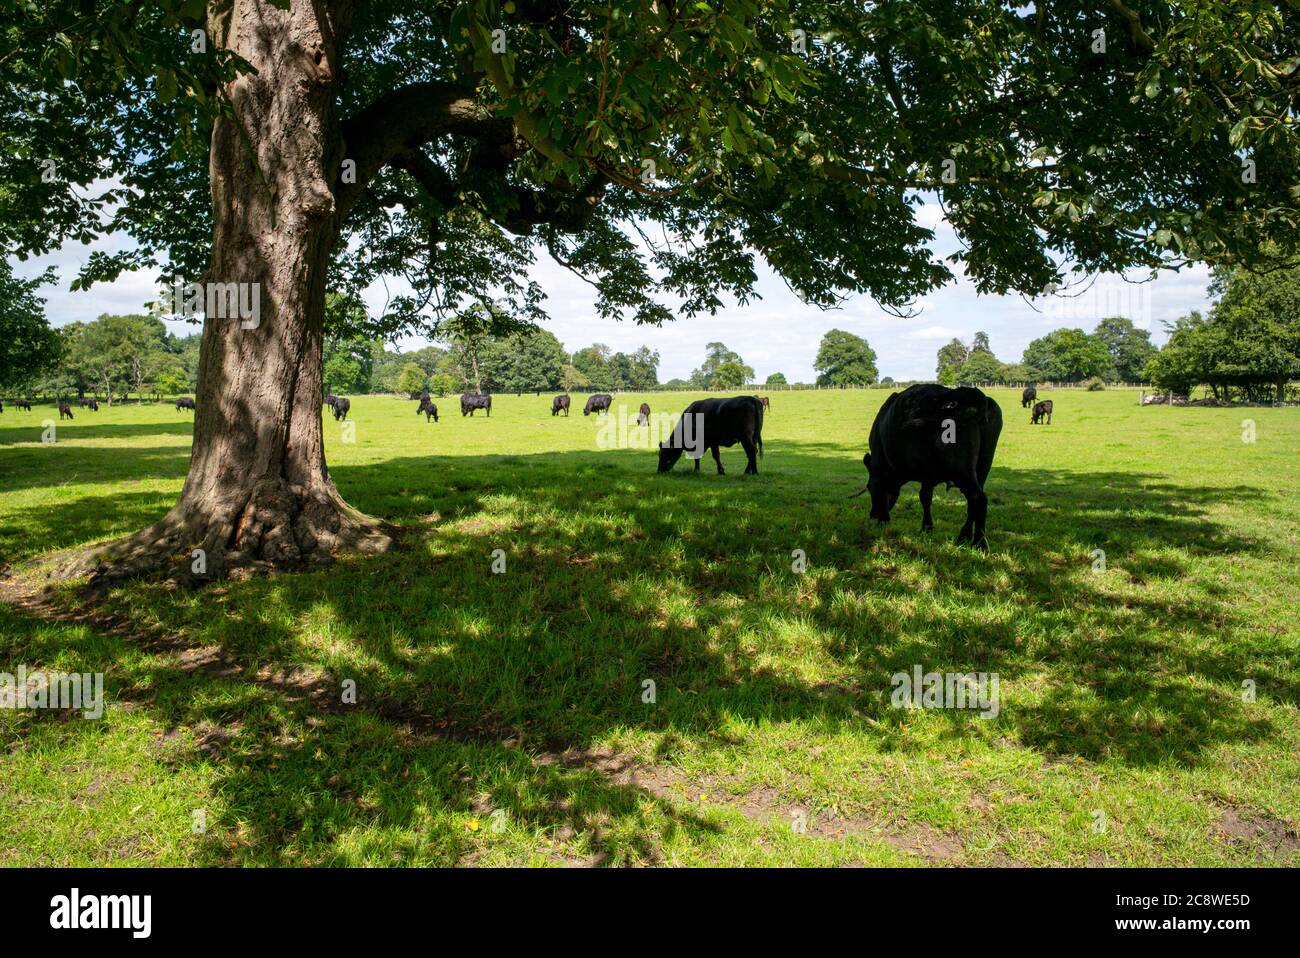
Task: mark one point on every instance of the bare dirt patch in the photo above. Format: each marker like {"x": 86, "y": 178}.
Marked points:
{"x": 1270, "y": 837}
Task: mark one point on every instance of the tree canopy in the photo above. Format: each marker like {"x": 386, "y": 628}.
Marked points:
{"x": 844, "y": 359}
{"x": 1249, "y": 343}
{"x": 1068, "y": 356}
{"x": 479, "y": 134}
{"x": 717, "y": 355}
{"x": 1130, "y": 348}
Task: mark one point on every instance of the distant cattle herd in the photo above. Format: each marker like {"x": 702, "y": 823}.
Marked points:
{"x": 928, "y": 433}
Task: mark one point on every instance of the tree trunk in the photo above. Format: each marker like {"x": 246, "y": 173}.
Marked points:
{"x": 258, "y": 492}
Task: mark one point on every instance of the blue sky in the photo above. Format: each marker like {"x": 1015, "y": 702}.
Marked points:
{"x": 776, "y": 333}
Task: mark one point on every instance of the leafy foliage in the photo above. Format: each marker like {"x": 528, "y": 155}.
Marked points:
{"x": 27, "y": 343}
{"x": 1130, "y": 348}
{"x": 1068, "y": 355}
{"x": 717, "y": 355}
{"x": 844, "y": 359}
{"x": 1249, "y": 343}
{"x": 982, "y": 367}
{"x": 600, "y": 122}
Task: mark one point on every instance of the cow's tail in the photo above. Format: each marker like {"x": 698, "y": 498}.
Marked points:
{"x": 758, "y": 435}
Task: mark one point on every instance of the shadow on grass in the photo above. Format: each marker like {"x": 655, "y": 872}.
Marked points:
{"x": 616, "y": 576}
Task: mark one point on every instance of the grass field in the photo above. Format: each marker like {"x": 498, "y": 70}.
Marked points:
{"x": 501, "y": 718}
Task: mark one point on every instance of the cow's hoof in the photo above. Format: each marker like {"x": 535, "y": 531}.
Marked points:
{"x": 929, "y": 528}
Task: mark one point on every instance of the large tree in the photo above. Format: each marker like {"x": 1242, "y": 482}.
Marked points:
{"x": 295, "y": 146}
{"x": 717, "y": 355}
{"x": 951, "y": 357}
{"x": 1068, "y": 355}
{"x": 1130, "y": 348}
{"x": 845, "y": 360}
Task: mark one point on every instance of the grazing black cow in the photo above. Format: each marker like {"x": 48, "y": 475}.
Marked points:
{"x": 1028, "y": 396}
{"x": 765, "y": 401}
{"x": 643, "y": 417}
{"x": 2, "y": 406}
{"x": 598, "y": 403}
{"x": 470, "y": 402}
{"x": 23, "y": 404}
{"x": 558, "y": 403}
{"x": 65, "y": 411}
{"x": 932, "y": 434}
{"x": 1041, "y": 409}
{"x": 341, "y": 406}
{"x": 185, "y": 402}
{"x": 707, "y": 424}
{"x": 428, "y": 408}
{"x": 420, "y": 395}
{"x": 92, "y": 404}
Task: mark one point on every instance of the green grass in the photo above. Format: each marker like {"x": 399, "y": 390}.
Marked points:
{"x": 500, "y": 718}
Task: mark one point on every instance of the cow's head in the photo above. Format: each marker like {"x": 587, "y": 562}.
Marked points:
{"x": 884, "y": 490}
{"x": 669, "y": 454}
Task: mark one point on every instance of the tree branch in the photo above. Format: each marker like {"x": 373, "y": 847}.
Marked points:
{"x": 414, "y": 115}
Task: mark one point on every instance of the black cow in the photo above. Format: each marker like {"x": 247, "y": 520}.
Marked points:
{"x": 422, "y": 396}
{"x": 23, "y": 404}
{"x": 707, "y": 424}
{"x": 92, "y": 404}
{"x": 2, "y": 406}
{"x": 1041, "y": 409}
{"x": 643, "y": 417}
{"x": 558, "y": 403}
{"x": 185, "y": 402}
{"x": 470, "y": 402}
{"x": 428, "y": 408}
{"x": 65, "y": 411}
{"x": 598, "y": 403}
{"x": 932, "y": 434}
{"x": 1028, "y": 396}
{"x": 341, "y": 406}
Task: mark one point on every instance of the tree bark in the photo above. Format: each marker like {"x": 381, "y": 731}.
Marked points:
{"x": 258, "y": 492}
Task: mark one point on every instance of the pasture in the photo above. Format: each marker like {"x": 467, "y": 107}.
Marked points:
{"x": 502, "y": 718}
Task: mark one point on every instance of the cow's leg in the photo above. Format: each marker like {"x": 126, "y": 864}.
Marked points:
{"x": 751, "y": 450}
{"x": 717, "y": 457}
{"x": 697, "y": 464}
{"x": 927, "y": 496}
{"x": 977, "y": 508}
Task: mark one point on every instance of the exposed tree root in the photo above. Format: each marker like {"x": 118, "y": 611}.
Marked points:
{"x": 274, "y": 526}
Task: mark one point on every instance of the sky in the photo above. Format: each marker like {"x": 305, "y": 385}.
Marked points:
{"x": 774, "y": 333}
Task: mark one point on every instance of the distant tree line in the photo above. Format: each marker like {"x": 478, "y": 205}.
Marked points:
{"x": 115, "y": 357}
{"x": 1116, "y": 351}
{"x": 1247, "y": 347}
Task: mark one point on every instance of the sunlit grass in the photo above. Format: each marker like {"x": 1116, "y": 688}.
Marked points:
{"x": 771, "y": 738}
